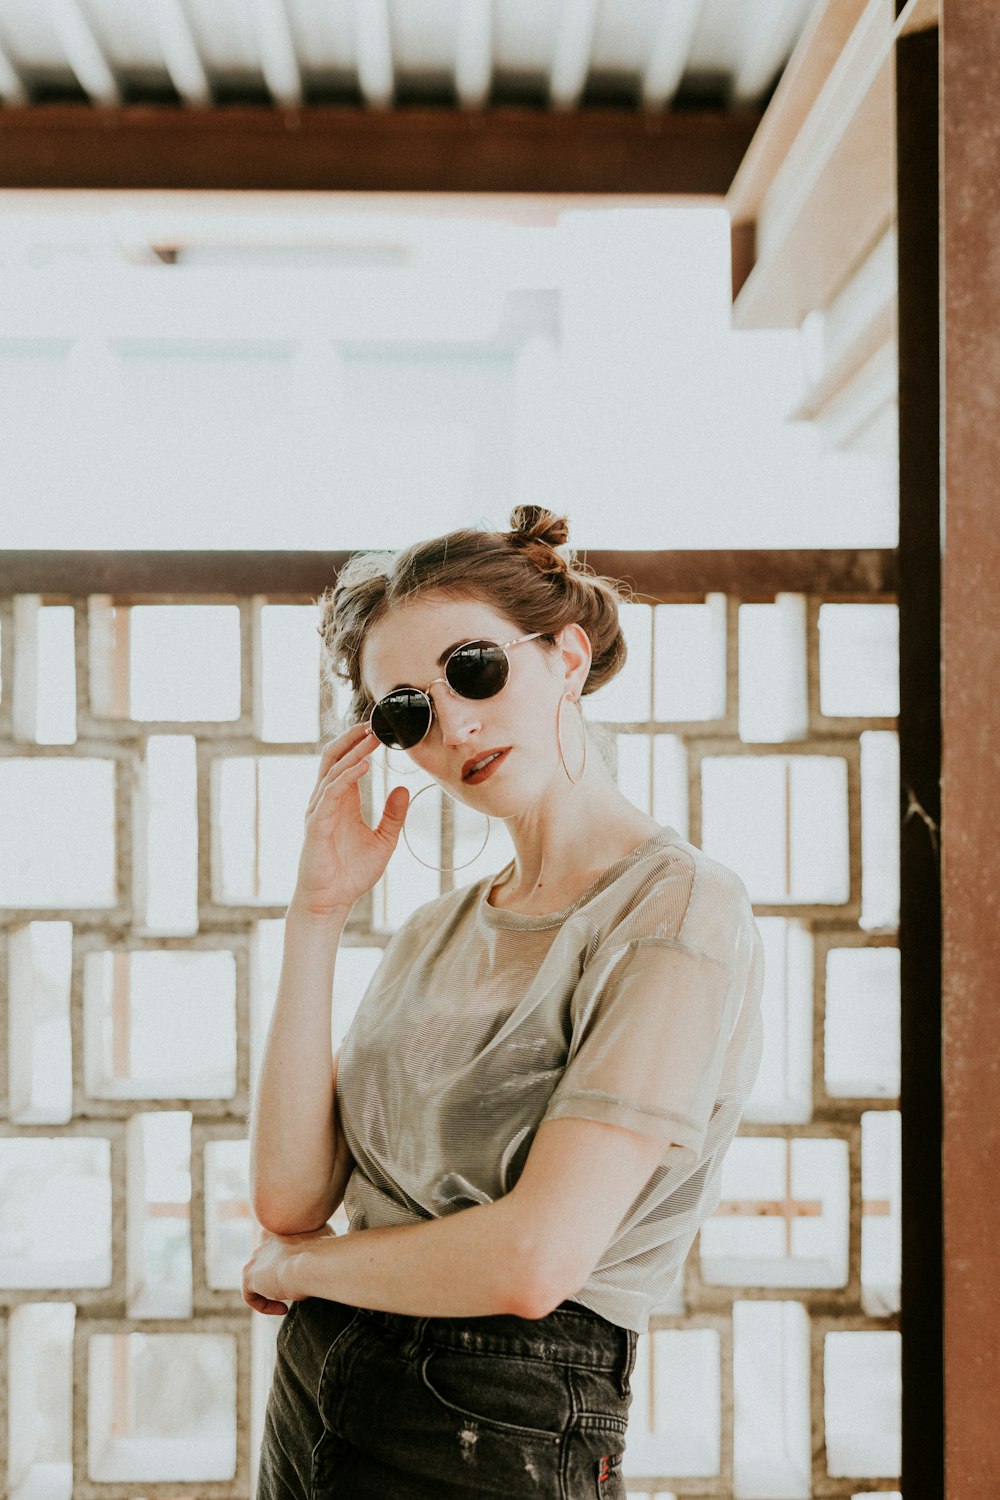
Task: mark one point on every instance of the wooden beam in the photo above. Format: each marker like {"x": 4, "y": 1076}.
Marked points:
{"x": 863, "y": 573}
{"x": 347, "y": 148}
{"x": 833, "y": 194}
{"x": 970, "y": 733}
{"x": 805, "y": 74}
{"x": 818, "y": 178}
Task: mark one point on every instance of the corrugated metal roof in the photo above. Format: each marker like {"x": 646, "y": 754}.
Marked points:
{"x": 568, "y": 54}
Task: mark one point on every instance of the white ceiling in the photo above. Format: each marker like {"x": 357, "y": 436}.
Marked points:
{"x": 552, "y": 53}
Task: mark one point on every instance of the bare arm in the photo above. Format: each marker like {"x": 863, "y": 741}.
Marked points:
{"x": 299, "y": 1163}
{"x": 524, "y": 1253}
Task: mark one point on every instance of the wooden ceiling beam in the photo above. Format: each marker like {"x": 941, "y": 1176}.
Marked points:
{"x": 817, "y": 182}
{"x": 810, "y": 65}
{"x": 345, "y": 148}
{"x": 846, "y": 572}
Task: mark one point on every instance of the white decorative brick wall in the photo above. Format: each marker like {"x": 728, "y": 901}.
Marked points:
{"x": 156, "y": 755}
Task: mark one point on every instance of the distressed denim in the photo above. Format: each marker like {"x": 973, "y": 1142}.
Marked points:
{"x": 385, "y": 1406}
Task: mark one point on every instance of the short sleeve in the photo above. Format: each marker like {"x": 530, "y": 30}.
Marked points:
{"x": 652, "y": 1022}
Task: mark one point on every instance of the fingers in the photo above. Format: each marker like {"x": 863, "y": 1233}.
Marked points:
{"x": 355, "y": 755}
{"x": 395, "y": 811}
{"x": 340, "y": 771}
{"x": 264, "y": 1304}
{"x": 338, "y": 784}
{"x": 340, "y": 746}
{"x": 359, "y": 751}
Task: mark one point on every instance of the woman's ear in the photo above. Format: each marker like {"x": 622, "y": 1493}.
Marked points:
{"x": 577, "y": 654}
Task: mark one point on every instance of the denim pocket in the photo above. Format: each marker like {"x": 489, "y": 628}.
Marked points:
{"x": 328, "y": 1373}
{"x": 512, "y": 1395}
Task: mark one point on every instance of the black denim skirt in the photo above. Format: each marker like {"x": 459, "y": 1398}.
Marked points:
{"x": 385, "y": 1406}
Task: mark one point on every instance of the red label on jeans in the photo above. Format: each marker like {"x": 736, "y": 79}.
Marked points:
{"x": 604, "y": 1468}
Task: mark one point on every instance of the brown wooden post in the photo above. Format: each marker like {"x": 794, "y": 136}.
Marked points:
{"x": 970, "y": 158}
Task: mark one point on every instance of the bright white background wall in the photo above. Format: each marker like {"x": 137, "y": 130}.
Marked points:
{"x": 396, "y": 375}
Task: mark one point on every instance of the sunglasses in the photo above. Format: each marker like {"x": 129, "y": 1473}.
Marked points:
{"x": 479, "y": 669}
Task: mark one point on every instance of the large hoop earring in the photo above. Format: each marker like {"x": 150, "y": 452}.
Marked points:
{"x": 489, "y": 829}
{"x": 574, "y": 780}
{"x": 393, "y": 769}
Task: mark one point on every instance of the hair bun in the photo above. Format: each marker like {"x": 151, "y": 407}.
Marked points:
{"x": 538, "y": 531}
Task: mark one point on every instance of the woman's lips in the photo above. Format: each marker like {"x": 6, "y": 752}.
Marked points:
{"x": 487, "y": 771}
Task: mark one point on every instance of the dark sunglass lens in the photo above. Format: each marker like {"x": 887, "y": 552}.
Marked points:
{"x": 478, "y": 670}
{"x": 401, "y": 720}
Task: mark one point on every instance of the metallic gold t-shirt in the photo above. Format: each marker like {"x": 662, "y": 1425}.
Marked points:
{"x": 638, "y": 1005}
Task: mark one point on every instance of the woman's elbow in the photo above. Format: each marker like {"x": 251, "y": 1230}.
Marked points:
{"x": 290, "y": 1218}
{"x": 278, "y": 1224}
{"x": 536, "y": 1296}
{"x": 533, "y": 1303}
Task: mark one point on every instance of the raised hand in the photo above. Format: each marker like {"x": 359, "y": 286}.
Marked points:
{"x": 342, "y": 857}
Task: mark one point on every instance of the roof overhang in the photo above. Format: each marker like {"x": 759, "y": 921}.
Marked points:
{"x": 343, "y": 148}
{"x": 816, "y": 190}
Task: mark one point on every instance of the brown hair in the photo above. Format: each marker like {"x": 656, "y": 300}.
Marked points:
{"x": 517, "y": 572}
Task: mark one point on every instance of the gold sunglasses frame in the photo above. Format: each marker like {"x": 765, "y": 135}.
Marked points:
{"x": 505, "y": 646}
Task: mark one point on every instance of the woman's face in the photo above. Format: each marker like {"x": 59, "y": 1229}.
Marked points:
{"x": 408, "y": 648}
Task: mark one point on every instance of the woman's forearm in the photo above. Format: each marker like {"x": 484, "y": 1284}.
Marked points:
{"x": 473, "y": 1262}
{"x": 293, "y": 1132}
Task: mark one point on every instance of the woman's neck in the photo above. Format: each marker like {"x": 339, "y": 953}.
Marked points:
{"x": 548, "y": 879}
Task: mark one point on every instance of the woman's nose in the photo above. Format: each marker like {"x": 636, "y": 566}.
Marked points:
{"x": 457, "y": 716}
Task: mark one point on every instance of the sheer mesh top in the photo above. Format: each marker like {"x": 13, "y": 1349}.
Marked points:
{"x": 638, "y": 1005}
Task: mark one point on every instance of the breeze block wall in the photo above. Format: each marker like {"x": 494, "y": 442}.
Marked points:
{"x": 158, "y": 744}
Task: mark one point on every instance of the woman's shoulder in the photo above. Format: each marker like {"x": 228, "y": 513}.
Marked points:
{"x": 680, "y": 893}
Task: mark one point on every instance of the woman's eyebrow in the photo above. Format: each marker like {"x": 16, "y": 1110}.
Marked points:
{"x": 454, "y": 647}
{"x": 441, "y": 659}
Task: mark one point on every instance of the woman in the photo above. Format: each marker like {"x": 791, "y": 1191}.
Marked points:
{"x": 527, "y": 1118}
